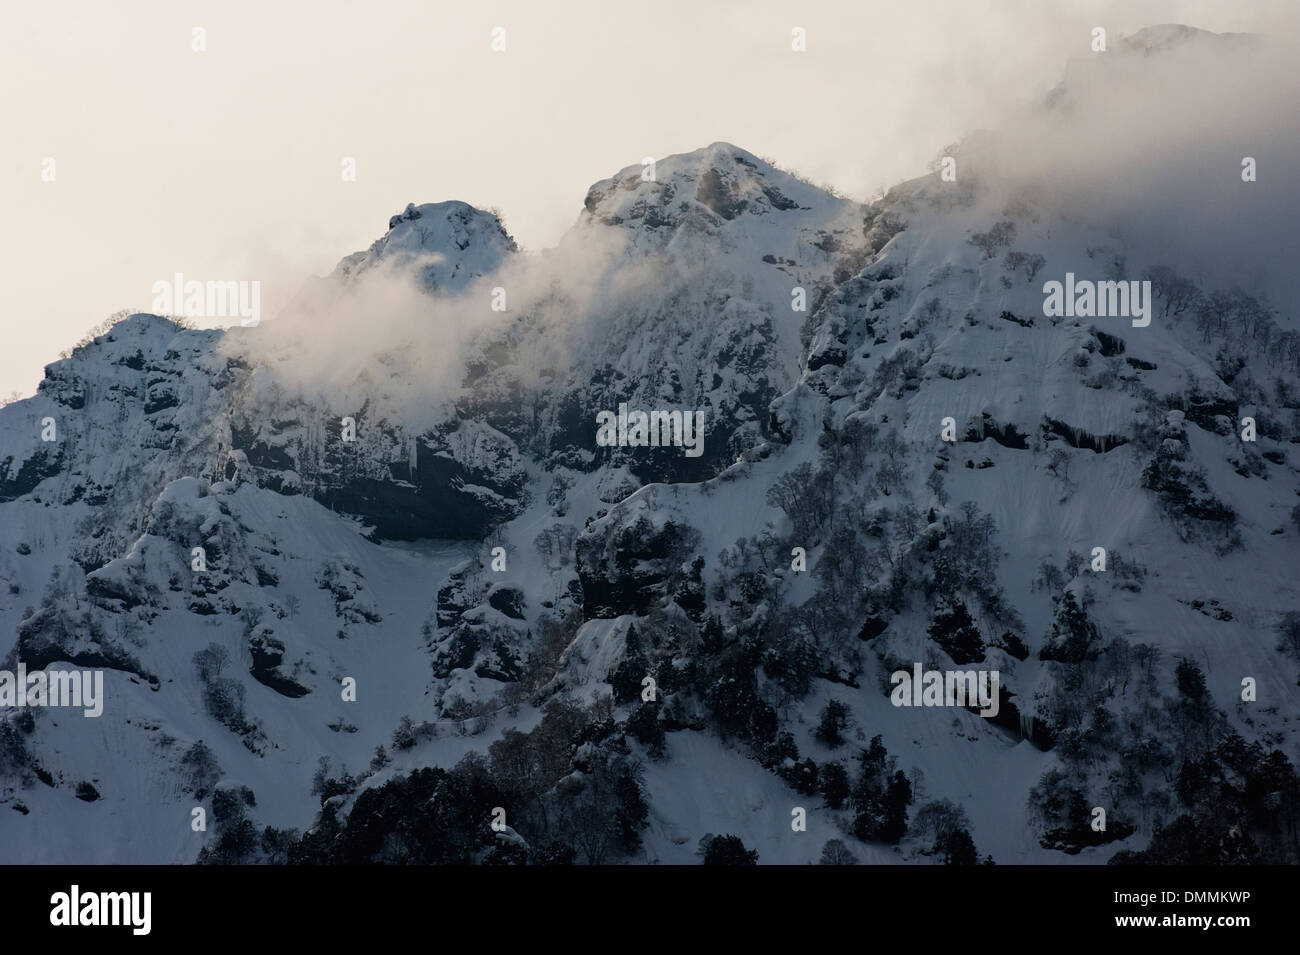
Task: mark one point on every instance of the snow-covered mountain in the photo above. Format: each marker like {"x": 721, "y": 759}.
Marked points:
{"x": 366, "y": 584}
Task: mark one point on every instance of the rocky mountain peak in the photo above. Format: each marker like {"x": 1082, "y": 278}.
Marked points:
{"x": 450, "y": 244}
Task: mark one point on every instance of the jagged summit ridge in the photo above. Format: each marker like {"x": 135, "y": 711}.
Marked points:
{"x": 723, "y": 180}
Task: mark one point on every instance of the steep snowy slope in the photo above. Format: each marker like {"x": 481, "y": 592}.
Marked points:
{"x": 1060, "y": 425}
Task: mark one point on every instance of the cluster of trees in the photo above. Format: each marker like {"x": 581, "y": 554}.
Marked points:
{"x": 816, "y": 498}
{"x": 15, "y": 759}
{"x": 1229, "y": 316}
{"x": 965, "y": 560}
{"x": 200, "y": 768}
{"x": 1238, "y": 804}
{"x": 1125, "y": 574}
{"x": 1063, "y": 811}
{"x": 1180, "y": 486}
{"x": 955, "y": 632}
{"x": 223, "y": 697}
{"x": 555, "y": 544}
{"x": 572, "y": 780}
{"x": 570, "y": 789}
{"x": 1085, "y": 674}
{"x": 834, "y": 720}
{"x": 999, "y": 236}
{"x": 753, "y": 654}
{"x": 731, "y": 662}
{"x": 1028, "y": 263}
{"x": 835, "y": 852}
{"x": 1230, "y": 801}
{"x": 880, "y": 796}
{"x": 806, "y": 495}
{"x": 733, "y": 696}
{"x": 948, "y": 826}
{"x": 726, "y": 850}
{"x": 237, "y": 839}
{"x": 1073, "y": 637}
{"x": 721, "y": 671}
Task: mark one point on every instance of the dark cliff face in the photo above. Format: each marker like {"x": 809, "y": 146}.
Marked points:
{"x": 627, "y": 567}
{"x": 406, "y": 487}
{"x": 22, "y": 477}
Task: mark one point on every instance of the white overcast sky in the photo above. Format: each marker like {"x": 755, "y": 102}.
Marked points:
{"x": 226, "y": 164}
